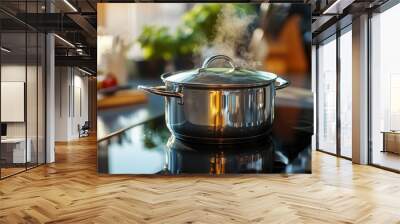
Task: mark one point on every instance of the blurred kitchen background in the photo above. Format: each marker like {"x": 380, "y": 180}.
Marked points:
{"x": 138, "y": 42}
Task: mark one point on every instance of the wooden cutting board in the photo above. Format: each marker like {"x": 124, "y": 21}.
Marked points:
{"x": 122, "y": 98}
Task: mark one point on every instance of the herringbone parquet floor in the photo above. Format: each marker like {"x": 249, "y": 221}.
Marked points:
{"x": 70, "y": 191}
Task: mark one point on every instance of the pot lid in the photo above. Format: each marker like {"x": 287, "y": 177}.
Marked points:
{"x": 233, "y": 77}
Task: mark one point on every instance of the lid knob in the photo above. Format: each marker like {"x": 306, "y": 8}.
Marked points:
{"x": 209, "y": 60}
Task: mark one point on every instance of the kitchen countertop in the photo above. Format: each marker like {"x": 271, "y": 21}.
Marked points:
{"x": 116, "y": 119}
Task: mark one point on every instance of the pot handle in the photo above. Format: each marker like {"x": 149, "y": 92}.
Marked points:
{"x": 161, "y": 90}
{"x": 281, "y": 83}
{"x": 216, "y": 57}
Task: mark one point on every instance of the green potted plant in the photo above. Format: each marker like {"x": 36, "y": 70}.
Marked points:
{"x": 187, "y": 45}
{"x": 158, "y": 47}
{"x": 182, "y": 47}
{"x": 202, "y": 19}
{"x": 196, "y": 30}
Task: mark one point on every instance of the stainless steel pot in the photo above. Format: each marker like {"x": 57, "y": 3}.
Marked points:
{"x": 219, "y": 105}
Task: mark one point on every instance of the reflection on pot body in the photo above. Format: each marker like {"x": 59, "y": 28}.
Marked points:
{"x": 221, "y": 113}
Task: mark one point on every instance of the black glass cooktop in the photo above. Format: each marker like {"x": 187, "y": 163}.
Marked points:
{"x": 149, "y": 148}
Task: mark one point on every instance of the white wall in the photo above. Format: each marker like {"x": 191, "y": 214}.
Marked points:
{"x": 12, "y": 73}
{"x": 80, "y": 97}
{"x": 61, "y": 103}
{"x": 33, "y": 126}
{"x": 71, "y": 102}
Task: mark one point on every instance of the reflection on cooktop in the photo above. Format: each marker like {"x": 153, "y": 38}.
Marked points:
{"x": 221, "y": 159}
{"x": 149, "y": 148}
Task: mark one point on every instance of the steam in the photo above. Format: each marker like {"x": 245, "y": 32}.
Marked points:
{"x": 232, "y": 37}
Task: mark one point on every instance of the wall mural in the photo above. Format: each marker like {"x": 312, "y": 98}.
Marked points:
{"x": 204, "y": 88}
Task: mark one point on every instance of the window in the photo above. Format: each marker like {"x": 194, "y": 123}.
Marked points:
{"x": 385, "y": 89}
{"x": 346, "y": 93}
{"x": 327, "y": 96}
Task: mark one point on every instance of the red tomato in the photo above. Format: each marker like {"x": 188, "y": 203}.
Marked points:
{"x": 109, "y": 81}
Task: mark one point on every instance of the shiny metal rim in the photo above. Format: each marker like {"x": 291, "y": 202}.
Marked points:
{"x": 216, "y": 86}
